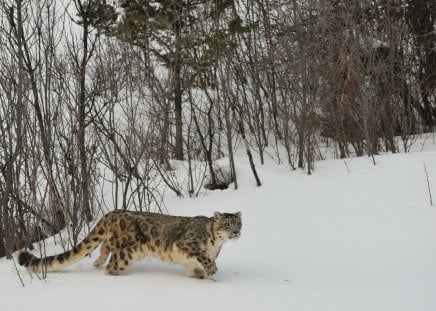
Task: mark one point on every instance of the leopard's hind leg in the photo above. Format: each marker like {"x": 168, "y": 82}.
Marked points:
{"x": 122, "y": 258}
{"x": 104, "y": 253}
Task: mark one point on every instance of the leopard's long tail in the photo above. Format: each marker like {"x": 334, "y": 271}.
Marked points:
{"x": 60, "y": 261}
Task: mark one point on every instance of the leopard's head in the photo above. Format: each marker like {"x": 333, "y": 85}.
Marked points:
{"x": 227, "y": 225}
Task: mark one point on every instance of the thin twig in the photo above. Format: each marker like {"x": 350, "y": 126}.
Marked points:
{"x": 18, "y": 272}
{"x": 428, "y": 184}
{"x": 346, "y": 165}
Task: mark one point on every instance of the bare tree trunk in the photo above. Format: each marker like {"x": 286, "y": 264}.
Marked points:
{"x": 228, "y": 127}
{"x": 82, "y": 105}
{"x": 178, "y": 112}
{"x": 178, "y": 91}
{"x": 58, "y": 207}
{"x": 247, "y": 149}
{"x": 7, "y": 227}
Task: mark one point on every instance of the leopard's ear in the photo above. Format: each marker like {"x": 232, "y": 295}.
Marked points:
{"x": 217, "y": 215}
{"x": 238, "y": 214}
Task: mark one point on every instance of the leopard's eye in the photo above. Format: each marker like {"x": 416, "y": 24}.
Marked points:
{"x": 225, "y": 226}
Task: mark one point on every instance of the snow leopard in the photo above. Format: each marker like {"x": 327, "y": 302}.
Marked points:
{"x": 127, "y": 236}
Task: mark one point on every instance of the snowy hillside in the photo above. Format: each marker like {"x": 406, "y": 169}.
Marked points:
{"x": 353, "y": 236}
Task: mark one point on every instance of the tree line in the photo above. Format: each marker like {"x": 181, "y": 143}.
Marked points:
{"x": 96, "y": 93}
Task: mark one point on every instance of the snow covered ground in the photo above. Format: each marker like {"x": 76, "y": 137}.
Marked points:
{"x": 353, "y": 236}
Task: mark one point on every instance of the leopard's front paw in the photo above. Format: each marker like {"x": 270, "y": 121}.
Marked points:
{"x": 196, "y": 273}
{"x": 212, "y": 269}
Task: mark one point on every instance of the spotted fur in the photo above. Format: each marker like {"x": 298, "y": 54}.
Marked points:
{"x": 193, "y": 242}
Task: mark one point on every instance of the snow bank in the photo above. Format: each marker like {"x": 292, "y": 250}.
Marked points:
{"x": 353, "y": 236}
